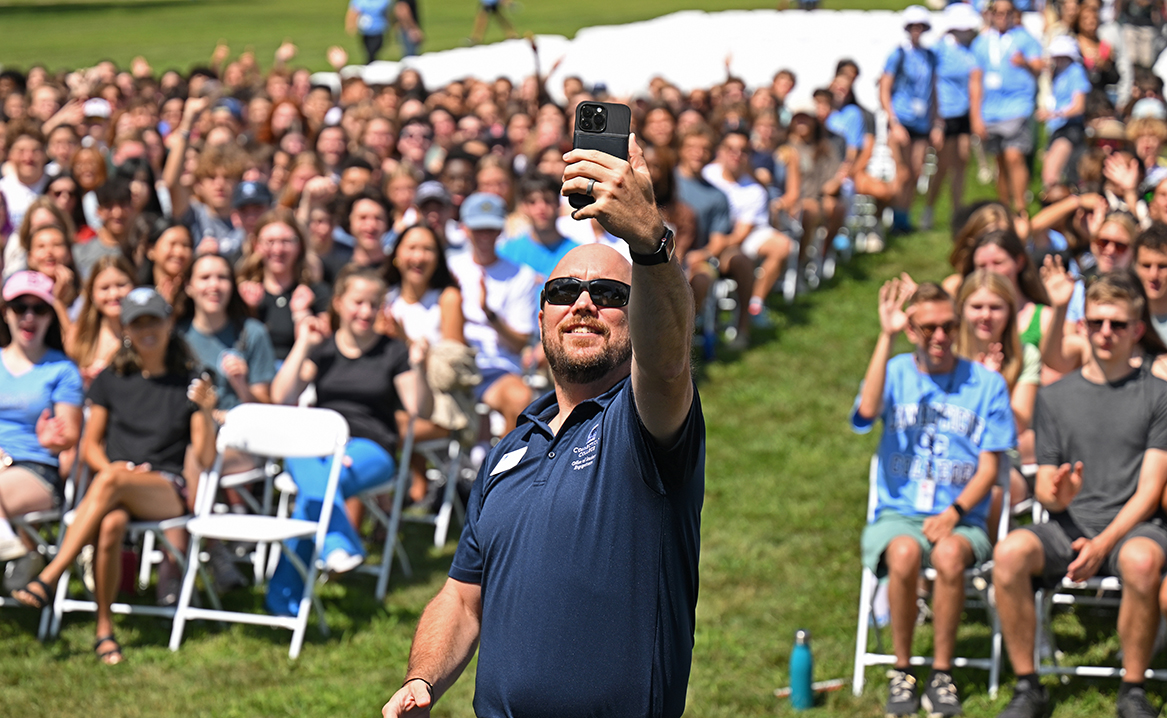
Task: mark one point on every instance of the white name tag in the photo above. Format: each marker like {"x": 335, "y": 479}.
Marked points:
{"x": 508, "y": 461}
{"x": 993, "y": 80}
{"x": 919, "y": 107}
{"x": 925, "y": 496}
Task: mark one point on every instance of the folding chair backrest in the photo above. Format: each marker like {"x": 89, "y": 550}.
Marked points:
{"x": 286, "y": 432}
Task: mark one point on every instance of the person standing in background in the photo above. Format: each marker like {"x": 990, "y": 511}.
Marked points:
{"x": 370, "y": 19}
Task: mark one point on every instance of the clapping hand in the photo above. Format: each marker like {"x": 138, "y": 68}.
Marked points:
{"x": 1067, "y": 483}
{"x": 418, "y": 351}
{"x": 302, "y": 299}
{"x": 1122, "y": 172}
{"x": 202, "y": 392}
{"x": 251, "y": 292}
{"x": 234, "y": 367}
{"x": 311, "y": 331}
{"x": 50, "y": 432}
{"x": 994, "y": 358}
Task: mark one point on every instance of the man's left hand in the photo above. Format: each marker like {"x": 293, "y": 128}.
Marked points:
{"x": 624, "y": 204}
{"x": 940, "y": 526}
{"x": 1090, "y": 557}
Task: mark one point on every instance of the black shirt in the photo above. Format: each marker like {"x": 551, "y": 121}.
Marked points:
{"x": 149, "y": 419}
{"x": 361, "y": 390}
{"x": 334, "y": 261}
{"x": 275, "y": 311}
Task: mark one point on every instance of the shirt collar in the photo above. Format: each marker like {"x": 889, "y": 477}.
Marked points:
{"x": 543, "y": 410}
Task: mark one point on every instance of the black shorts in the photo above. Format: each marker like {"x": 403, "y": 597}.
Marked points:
{"x": 1057, "y": 539}
{"x": 957, "y": 126}
{"x": 48, "y": 475}
{"x": 1075, "y": 132}
{"x": 915, "y": 136}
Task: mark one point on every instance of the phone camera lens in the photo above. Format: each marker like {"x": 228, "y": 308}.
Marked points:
{"x": 601, "y": 123}
{"x": 588, "y": 111}
{"x": 585, "y": 124}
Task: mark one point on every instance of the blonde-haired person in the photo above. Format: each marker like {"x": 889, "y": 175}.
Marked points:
{"x": 96, "y": 336}
{"x": 987, "y": 307}
{"x": 1148, "y": 134}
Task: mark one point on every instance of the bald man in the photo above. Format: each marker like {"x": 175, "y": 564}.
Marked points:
{"x": 576, "y": 574}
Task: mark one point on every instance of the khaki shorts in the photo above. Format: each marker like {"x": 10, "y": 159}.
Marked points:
{"x": 889, "y": 526}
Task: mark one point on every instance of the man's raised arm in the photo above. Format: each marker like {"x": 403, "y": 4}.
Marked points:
{"x": 660, "y": 309}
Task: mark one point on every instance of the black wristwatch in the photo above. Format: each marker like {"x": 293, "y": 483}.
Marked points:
{"x": 663, "y": 253}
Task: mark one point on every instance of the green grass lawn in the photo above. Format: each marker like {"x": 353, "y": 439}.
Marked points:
{"x": 786, "y": 491}
{"x": 179, "y": 33}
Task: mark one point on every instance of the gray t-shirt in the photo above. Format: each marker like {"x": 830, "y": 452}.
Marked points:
{"x": 1107, "y": 427}
{"x": 85, "y": 255}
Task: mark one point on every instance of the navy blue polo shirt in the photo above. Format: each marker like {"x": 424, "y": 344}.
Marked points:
{"x": 585, "y": 545}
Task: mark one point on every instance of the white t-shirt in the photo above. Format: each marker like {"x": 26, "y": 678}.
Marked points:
{"x": 748, "y": 201}
{"x": 18, "y": 196}
{"x": 422, "y": 320}
{"x": 510, "y": 293}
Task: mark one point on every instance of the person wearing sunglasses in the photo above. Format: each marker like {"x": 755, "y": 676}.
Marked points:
{"x": 947, "y": 422}
{"x": 40, "y": 414}
{"x": 1101, "y": 445}
{"x": 601, "y": 485}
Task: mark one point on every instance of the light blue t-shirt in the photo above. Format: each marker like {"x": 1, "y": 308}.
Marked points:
{"x": 912, "y": 70}
{"x": 937, "y": 425}
{"x": 51, "y": 381}
{"x": 953, "y": 63}
{"x": 848, "y": 123}
{"x": 373, "y": 19}
{"x": 1008, "y": 89}
{"x": 1069, "y": 82}
{"x": 536, "y": 255}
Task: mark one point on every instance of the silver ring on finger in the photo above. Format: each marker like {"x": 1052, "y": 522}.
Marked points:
{"x": 591, "y": 184}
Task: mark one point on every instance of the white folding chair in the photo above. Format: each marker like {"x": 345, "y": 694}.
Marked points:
{"x": 1099, "y": 591}
{"x": 447, "y": 456}
{"x": 268, "y": 431}
{"x": 976, "y": 583}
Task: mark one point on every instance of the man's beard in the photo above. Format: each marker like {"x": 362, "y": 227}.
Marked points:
{"x": 589, "y": 369}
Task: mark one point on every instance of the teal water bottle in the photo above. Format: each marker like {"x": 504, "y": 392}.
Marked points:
{"x": 801, "y": 672}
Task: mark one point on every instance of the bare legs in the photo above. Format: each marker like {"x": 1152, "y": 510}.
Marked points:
{"x": 950, "y": 556}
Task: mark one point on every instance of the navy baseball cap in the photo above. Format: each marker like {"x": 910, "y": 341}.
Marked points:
{"x": 247, "y": 193}
{"x": 483, "y": 210}
{"x": 144, "y": 302}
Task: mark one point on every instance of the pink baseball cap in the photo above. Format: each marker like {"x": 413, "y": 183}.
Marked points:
{"x": 29, "y": 283}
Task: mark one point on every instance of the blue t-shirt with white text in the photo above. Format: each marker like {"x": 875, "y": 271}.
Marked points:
{"x": 372, "y": 18}
{"x": 937, "y": 425}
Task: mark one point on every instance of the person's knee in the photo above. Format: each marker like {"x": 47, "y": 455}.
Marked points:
{"x": 113, "y": 528}
{"x": 1140, "y": 564}
{"x": 903, "y": 556}
{"x": 950, "y": 557}
{"x": 1014, "y": 557}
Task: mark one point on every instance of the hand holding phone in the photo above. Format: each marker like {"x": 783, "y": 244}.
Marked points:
{"x": 602, "y": 126}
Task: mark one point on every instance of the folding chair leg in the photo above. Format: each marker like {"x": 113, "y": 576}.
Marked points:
{"x": 184, "y": 597}
{"x": 866, "y": 593}
{"x": 145, "y": 561}
{"x": 995, "y": 657}
{"x": 59, "y": 598}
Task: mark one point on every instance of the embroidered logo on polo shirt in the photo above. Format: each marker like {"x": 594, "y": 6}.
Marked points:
{"x": 585, "y": 455}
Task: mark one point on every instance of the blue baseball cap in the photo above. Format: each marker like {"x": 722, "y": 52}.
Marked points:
{"x": 483, "y": 210}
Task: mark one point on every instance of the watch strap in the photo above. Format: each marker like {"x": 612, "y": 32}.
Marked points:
{"x": 663, "y": 253}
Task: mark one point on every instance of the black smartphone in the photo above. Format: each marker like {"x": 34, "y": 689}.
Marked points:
{"x": 602, "y": 126}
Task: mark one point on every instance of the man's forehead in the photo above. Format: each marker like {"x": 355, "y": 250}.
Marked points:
{"x": 594, "y": 261}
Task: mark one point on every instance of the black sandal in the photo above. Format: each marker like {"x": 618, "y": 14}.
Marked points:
{"x": 115, "y": 651}
{"x": 35, "y": 601}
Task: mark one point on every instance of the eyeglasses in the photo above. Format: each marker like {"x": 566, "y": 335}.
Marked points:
{"x": 20, "y": 308}
{"x": 416, "y": 136}
{"x": 1119, "y": 247}
{"x": 564, "y": 291}
{"x": 927, "y": 330}
{"x": 62, "y": 192}
{"x": 1095, "y": 325}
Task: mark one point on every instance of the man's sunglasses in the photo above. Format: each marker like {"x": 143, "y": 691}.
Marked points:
{"x": 564, "y": 291}
{"x": 1095, "y": 325}
{"x": 927, "y": 330}
{"x": 21, "y": 308}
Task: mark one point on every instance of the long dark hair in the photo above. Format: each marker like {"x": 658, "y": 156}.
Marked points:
{"x": 442, "y": 278}
{"x": 1027, "y": 277}
{"x": 179, "y": 359}
{"x": 139, "y": 169}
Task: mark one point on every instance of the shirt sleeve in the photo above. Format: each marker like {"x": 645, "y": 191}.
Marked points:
{"x": 1080, "y": 83}
{"x": 1030, "y": 365}
{"x": 519, "y": 310}
{"x": 1000, "y": 426}
{"x": 400, "y": 360}
{"x": 1157, "y": 432}
{"x": 670, "y": 465}
{"x": 1031, "y": 47}
{"x": 467, "y": 564}
{"x": 261, "y": 358}
{"x": 68, "y": 387}
{"x": 720, "y": 221}
{"x": 893, "y": 61}
{"x": 1077, "y": 308}
{"x": 99, "y": 389}
{"x": 1047, "y": 441}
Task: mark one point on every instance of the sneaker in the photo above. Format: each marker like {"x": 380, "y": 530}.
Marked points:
{"x": 902, "y": 699}
{"x": 1134, "y": 704}
{"x": 18, "y": 573}
{"x": 12, "y": 549}
{"x": 224, "y": 574}
{"x": 940, "y": 698}
{"x": 341, "y": 561}
{"x": 1029, "y": 701}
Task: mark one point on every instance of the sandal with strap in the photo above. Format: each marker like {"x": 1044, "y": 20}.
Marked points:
{"x": 31, "y": 599}
{"x": 106, "y": 657}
